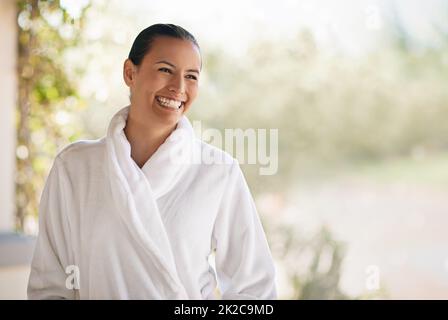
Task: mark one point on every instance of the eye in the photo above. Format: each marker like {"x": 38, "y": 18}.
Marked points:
{"x": 192, "y": 77}
{"x": 165, "y": 70}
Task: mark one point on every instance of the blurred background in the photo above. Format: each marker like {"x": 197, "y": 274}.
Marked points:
{"x": 357, "y": 89}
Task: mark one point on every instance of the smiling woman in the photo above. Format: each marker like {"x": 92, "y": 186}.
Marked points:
{"x": 162, "y": 72}
{"x": 132, "y": 216}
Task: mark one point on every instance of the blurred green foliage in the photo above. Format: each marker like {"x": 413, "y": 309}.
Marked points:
{"x": 46, "y": 96}
{"x": 321, "y": 277}
{"x": 331, "y": 109}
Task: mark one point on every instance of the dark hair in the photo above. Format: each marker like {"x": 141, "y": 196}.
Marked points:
{"x": 142, "y": 44}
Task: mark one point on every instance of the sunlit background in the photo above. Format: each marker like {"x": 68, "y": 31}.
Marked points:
{"x": 357, "y": 89}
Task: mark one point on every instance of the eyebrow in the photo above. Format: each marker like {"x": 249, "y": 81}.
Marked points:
{"x": 169, "y": 63}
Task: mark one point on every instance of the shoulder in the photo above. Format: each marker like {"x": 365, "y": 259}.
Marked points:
{"x": 213, "y": 155}
{"x": 81, "y": 148}
{"x": 81, "y": 152}
{"x": 216, "y": 160}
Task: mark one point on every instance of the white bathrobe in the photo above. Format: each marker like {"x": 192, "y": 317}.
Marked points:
{"x": 110, "y": 230}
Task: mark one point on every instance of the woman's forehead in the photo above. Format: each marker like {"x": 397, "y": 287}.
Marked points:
{"x": 179, "y": 52}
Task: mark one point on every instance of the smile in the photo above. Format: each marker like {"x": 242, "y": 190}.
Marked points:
{"x": 169, "y": 103}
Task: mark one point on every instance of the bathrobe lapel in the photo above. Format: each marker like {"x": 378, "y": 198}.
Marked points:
{"x": 136, "y": 190}
{"x": 171, "y": 160}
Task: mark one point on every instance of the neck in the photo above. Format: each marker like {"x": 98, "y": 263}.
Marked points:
{"x": 144, "y": 138}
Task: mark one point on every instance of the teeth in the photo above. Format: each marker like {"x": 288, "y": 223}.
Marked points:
{"x": 169, "y": 102}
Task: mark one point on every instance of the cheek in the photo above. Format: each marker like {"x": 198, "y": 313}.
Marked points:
{"x": 192, "y": 92}
{"x": 151, "y": 83}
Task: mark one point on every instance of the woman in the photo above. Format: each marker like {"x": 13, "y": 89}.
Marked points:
{"x": 130, "y": 216}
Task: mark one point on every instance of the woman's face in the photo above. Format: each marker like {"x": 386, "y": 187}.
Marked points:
{"x": 165, "y": 84}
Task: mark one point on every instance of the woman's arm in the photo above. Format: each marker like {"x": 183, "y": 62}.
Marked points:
{"x": 52, "y": 253}
{"x": 244, "y": 264}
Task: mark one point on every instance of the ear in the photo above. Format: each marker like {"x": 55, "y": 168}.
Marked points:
{"x": 129, "y": 70}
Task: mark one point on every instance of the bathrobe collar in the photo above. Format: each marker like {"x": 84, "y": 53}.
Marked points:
{"x": 136, "y": 190}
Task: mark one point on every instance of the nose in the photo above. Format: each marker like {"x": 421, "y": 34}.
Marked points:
{"x": 177, "y": 86}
